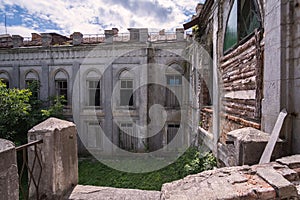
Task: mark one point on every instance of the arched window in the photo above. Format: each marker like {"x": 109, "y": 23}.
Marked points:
{"x": 61, "y": 85}
{"x": 243, "y": 19}
{"x": 4, "y": 78}
{"x": 174, "y": 86}
{"x": 32, "y": 81}
{"x": 93, "y": 89}
{"x": 126, "y": 88}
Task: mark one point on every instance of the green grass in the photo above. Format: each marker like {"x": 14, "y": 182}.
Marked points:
{"x": 92, "y": 172}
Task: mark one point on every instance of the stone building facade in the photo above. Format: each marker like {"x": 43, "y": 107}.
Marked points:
{"x": 253, "y": 73}
{"x": 124, "y": 86}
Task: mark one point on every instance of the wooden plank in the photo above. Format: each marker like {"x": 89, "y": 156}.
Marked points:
{"x": 266, "y": 156}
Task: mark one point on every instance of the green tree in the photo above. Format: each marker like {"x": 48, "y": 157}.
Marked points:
{"x": 21, "y": 109}
{"x": 14, "y": 111}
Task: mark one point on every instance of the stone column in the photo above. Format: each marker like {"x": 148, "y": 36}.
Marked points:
{"x": 134, "y": 34}
{"x": 179, "y": 34}
{"x": 58, "y": 154}
{"x": 9, "y": 179}
{"x": 143, "y": 34}
{"x": 77, "y": 38}
{"x": 17, "y": 41}
{"x": 46, "y": 39}
{"x": 109, "y": 36}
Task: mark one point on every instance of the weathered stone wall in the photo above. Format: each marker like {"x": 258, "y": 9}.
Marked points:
{"x": 296, "y": 78}
{"x": 206, "y": 119}
{"x": 58, "y": 154}
{"x": 9, "y": 179}
{"x": 281, "y": 71}
{"x": 276, "y": 180}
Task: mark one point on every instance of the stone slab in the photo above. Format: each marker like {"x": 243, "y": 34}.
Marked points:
{"x": 283, "y": 187}
{"x": 266, "y": 156}
{"x": 81, "y": 192}
{"x": 223, "y": 183}
{"x": 291, "y": 161}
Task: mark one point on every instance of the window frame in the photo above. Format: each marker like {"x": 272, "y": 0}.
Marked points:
{"x": 132, "y": 137}
{"x": 58, "y": 89}
{"x": 88, "y": 93}
{"x": 99, "y": 137}
{"x": 240, "y": 40}
{"x": 171, "y": 98}
{"x": 126, "y": 89}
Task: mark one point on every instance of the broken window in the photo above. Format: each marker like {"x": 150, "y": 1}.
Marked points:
{"x": 243, "y": 19}
{"x": 93, "y": 95}
{"x": 61, "y": 85}
{"x": 32, "y": 82}
{"x": 93, "y": 91}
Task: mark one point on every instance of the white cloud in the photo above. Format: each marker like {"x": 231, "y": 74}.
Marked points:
{"x": 93, "y": 16}
{"x": 18, "y": 30}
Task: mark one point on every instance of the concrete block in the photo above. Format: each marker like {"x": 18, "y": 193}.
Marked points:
{"x": 249, "y": 145}
{"x": 58, "y": 154}
{"x": 9, "y": 179}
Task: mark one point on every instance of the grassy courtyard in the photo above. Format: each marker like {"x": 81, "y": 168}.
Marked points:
{"x": 93, "y": 172}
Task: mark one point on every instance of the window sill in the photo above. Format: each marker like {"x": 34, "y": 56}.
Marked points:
{"x": 126, "y": 108}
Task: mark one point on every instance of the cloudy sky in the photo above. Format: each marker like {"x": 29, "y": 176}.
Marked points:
{"x": 24, "y": 17}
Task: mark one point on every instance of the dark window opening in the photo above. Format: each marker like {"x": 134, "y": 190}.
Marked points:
{"x": 126, "y": 93}
{"x": 34, "y": 86}
{"x": 128, "y": 139}
{"x": 61, "y": 87}
{"x": 94, "y": 98}
{"x": 172, "y": 132}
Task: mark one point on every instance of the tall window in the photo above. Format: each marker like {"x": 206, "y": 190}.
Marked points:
{"x": 126, "y": 92}
{"x": 94, "y": 98}
{"x": 243, "y": 19}
{"x": 94, "y": 136}
{"x": 61, "y": 85}
{"x": 172, "y": 131}
{"x": 127, "y": 138}
{"x": 173, "y": 92}
{"x": 32, "y": 82}
{"x": 93, "y": 85}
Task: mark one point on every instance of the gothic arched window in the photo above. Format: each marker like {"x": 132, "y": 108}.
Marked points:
{"x": 243, "y": 19}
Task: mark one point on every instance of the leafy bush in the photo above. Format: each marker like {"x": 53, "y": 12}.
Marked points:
{"x": 200, "y": 162}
